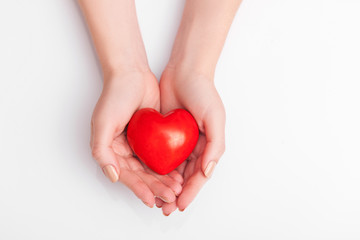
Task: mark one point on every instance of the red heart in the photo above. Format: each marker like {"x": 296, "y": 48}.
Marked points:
{"x": 162, "y": 142}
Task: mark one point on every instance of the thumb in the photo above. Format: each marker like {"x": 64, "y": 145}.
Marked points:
{"x": 214, "y": 125}
{"x": 102, "y": 151}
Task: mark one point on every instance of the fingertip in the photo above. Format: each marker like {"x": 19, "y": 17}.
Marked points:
{"x": 169, "y": 208}
{"x": 148, "y": 204}
{"x": 159, "y": 203}
{"x": 182, "y": 203}
{"x": 208, "y": 171}
{"x": 111, "y": 173}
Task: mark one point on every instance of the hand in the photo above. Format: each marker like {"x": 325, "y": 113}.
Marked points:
{"x": 122, "y": 95}
{"x": 197, "y": 94}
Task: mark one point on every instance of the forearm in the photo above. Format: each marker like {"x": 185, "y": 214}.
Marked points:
{"x": 115, "y": 31}
{"x": 202, "y": 34}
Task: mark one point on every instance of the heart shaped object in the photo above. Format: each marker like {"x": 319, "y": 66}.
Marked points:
{"x": 162, "y": 142}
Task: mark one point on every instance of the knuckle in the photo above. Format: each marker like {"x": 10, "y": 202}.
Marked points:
{"x": 97, "y": 151}
{"x": 220, "y": 149}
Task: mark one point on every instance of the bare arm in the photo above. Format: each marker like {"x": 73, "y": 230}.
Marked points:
{"x": 115, "y": 31}
{"x": 202, "y": 34}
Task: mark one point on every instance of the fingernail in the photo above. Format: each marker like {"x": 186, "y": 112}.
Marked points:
{"x": 148, "y": 204}
{"x": 210, "y": 168}
{"x": 181, "y": 210}
{"x": 166, "y": 214}
{"x": 111, "y": 173}
{"x": 164, "y": 199}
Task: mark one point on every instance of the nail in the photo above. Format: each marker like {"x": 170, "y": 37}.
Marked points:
{"x": 166, "y": 214}
{"x": 148, "y": 204}
{"x": 181, "y": 210}
{"x": 164, "y": 199}
{"x": 210, "y": 168}
{"x": 111, "y": 173}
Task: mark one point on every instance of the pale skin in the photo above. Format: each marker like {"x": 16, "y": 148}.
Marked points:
{"x": 187, "y": 82}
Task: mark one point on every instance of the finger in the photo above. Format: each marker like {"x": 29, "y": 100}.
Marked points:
{"x": 138, "y": 187}
{"x": 171, "y": 183}
{"x": 168, "y": 181}
{"x": 190, "y": 169}
{"x": 181, "y": 167}
{"x": 159, "y": 189}
{"x": 159, "y": 203}
{"x": 102, "y": 151}
{"x": 176, "y": 176}
{"x": 168, "y": 208}
{"x": 190, "y": 189}
{"x": 214, "y": 124}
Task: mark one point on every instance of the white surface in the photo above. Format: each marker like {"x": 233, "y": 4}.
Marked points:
{"x": 290, "y": 80}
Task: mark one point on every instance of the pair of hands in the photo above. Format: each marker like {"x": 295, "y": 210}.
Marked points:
{"x": 126, "y": 92}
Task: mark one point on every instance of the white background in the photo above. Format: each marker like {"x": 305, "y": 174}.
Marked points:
{"x": 289, "y": 77}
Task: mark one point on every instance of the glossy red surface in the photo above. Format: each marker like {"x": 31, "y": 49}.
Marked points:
{"x": 162, "y": 142}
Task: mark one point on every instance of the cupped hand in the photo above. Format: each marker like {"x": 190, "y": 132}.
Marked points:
{"x": 196, "y": 93}
{"x": 122, "y": 95}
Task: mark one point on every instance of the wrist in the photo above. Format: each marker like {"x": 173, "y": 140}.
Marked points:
{"x": 114, "y": 69}
{"x": 189, "y": 58}
{"x": 189, "y": 71}
{"x": 183, "y": 75}
{"x": 124, "y": 74}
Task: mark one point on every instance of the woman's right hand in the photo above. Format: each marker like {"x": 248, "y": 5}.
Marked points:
{"x": 195, "y": 92}
{"x": 122, "y": 95}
